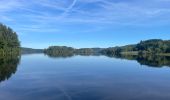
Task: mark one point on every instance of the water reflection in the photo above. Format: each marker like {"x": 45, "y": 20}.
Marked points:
{"x": 62, "y": 55}
{"x": 8, "y": 66}
{"x": 68, "y": 55}
{"x": 85, "y": 78}
{"x": 149, "y": 60}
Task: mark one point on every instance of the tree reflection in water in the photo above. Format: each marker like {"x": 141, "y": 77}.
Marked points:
{"x": 8, "y": 66}
{"x": 149, "y": 60}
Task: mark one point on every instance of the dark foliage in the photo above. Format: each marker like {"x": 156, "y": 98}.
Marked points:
{"x": 8, "y": 66}
{"x": 9, "y": 42}
{"x": 149, "y": 60}
{"x": 59, "y": 51}
{"x": 153, "y": 46}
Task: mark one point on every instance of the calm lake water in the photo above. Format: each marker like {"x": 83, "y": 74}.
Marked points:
{"x": 39, "y": 77}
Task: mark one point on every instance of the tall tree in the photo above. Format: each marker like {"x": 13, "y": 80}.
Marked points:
{"x": 9, "y": 41}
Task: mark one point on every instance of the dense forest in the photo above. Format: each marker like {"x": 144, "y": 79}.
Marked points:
{"x": 153, "y": 47}
{"x": 9, "y": 42}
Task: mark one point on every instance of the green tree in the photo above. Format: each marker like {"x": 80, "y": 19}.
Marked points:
{"x": 9, "y": 42}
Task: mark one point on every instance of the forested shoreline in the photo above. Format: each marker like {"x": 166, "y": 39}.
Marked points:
{"x": 148, "y": 47}
{"x": 9, "y": 42}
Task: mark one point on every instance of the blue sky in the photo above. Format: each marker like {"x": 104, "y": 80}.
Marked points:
{"x": 86, "y": 23}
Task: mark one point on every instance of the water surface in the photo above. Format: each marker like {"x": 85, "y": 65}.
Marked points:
{"x": 39, "y": 77}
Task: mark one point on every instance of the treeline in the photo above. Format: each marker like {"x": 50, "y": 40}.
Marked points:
{"x": 9, "y": 42}
{"x": 30, "y": 50}
{"x": 153, "y": 46}
{"x": 57, "y": 51}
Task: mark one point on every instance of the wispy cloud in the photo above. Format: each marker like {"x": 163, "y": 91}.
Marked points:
{"x": 94, "y": 12}
{"x": 9, "y": 6}
{"x": 71, "y": 6}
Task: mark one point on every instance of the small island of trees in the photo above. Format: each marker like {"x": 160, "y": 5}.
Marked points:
{"x": 64, "y": 51}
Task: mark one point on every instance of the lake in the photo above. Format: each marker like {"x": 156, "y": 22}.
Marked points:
{"x": 40, "y": 77}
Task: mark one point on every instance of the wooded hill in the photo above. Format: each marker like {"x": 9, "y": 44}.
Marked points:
{"x": 152, "y": 46}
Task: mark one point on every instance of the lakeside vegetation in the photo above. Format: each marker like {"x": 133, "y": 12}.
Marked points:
{"x": 149, "y": 47}
{"x": 9, "y": 42}
{"x": 142, "y": 57}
